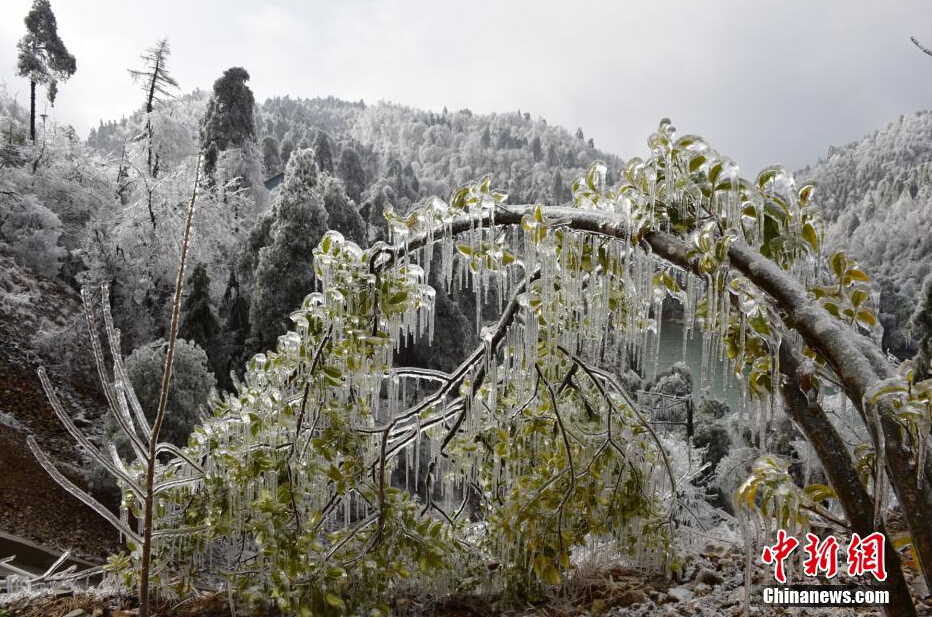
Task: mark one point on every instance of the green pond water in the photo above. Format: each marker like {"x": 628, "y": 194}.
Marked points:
{"x": 671, "y": 351}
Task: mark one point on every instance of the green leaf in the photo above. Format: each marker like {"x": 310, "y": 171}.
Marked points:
{"x": 810, "y": 236}
{"x": 839, "y": 263}
{"x": 334, "y": 600}
{"x": 551, "y": 574}
{"x": 856, "y": 275}
{"x": 805, "y": 193}
{"x": 696, "y": 162}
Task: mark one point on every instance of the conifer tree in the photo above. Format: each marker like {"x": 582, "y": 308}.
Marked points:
{"x": 157, "y": 85}
{"x": 341, "y": 211}
{"x": 229, "y": 121}
{"x": 351, "y": 172}
{"x": 43, "y": 58}
{"x": 323, "y": 153}
{"x": 285, "y": 273}
{"x": 198, "y": 321}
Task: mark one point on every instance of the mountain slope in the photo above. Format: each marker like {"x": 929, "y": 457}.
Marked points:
{"x": 876, "y": 196}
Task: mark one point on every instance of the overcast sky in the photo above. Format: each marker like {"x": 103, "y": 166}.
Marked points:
{"x": 763, "y": 81}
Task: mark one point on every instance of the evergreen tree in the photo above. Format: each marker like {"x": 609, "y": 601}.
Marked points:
{"x": 551, "y": 155}
{"x": 323, "y": 153}
{"x": 535, "y": 148}
{"x": 157, "y": 84}
{"x": 341, "y": 211}
{"x": 921, "y": 325}
{"x": 271, "y": 157}
{"x": 351, "y": 172}
{"x": 43, "y": 58}
{"x": 229, "y": 121}
{"x": 285, "y": 151}
{"x": 579, "y": 134}
{"x": 285, "y": 271}
{"x": 486, "y": 139}
{"x": 556, "y": 189}
{"x": 230, "y": 350}
{"x": 198, "y": 322}
{"x": 372, "y": 210}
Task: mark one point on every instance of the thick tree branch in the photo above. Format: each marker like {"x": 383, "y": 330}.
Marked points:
{"x": 801, "y": 405}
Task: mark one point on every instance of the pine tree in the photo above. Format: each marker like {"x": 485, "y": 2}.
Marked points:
{"x": 285, "y": 272}
{"x": 198, "y": 321}
{"x": 155, "y": 80}
{"x": 157, "y": 84}
{"x": 229, "y": 121}
{"x": 323, "y": 153}
{"x": 43, "y": 58}
{"x": 351, "y": 172}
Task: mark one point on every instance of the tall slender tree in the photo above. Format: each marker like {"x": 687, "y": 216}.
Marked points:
{"x": 157, "y": 84}
{"x": 43, "y": 57}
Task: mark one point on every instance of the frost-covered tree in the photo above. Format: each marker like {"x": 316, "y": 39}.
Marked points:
{"x": 43, "y": 58}
{"x": 229, "y": 121}
{"x": 284, "y": 272}
{"x": 921, "y": 326}
{"x": 157, "y": 85}
{"x": 30, "y": 232}
{"x": 351, "y": 172}
{"x": 342, "y": 214}
{"x": 271, "y": 157}
{"x": 536, "y": 148}
{"x": 191, "y": 385}
{"x": 535, "y": 423}
{"x": 323, "y": 153}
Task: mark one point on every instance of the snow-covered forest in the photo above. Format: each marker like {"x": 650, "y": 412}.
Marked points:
{"x": 309, "y": 356}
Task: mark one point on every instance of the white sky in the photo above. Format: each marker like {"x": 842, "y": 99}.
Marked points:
{"x": 765, "y": 82}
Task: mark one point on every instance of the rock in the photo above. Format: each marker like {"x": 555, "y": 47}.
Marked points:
{"x": 680, "y": 594}
{"x": 630, "y": 597}
{"x": 715, "y": 548}
{"x": 709, "y": 577}
{"x": 77, "y": 613}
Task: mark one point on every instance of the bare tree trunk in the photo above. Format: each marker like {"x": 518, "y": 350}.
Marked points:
{"x": 802, "y": 407}
{"x": 160, "y": 414}
{"x": 32, "y": 111}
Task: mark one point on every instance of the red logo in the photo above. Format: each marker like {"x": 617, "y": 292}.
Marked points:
{"x": 865, "y": 555}
{"x": 822, "y": 556}
{"x": 775, "y": 555}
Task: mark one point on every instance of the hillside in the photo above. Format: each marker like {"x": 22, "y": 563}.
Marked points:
{"x": 876, "y": 196}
